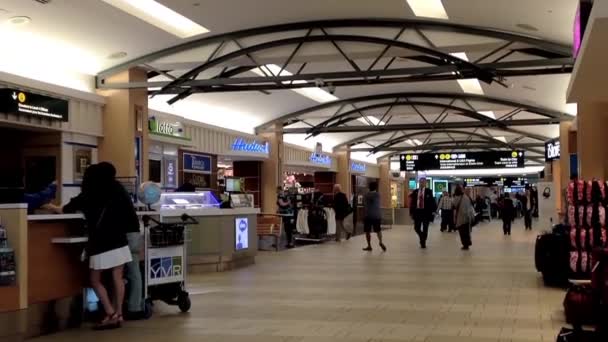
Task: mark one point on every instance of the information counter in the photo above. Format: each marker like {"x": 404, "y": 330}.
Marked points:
{"x": 222, "y": 240}
{"x": 47, "y": 293}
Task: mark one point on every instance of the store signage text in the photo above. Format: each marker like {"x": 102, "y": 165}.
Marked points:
{"x": 24, "y": 103}
{"x": 322, "y": 159}
{"x": 552, "y": 150}
{"x": 358, "y": 167}
{"x": 171, "y": 129}
{"x": 197, "y": 163}
{"x": 242, "y": 145}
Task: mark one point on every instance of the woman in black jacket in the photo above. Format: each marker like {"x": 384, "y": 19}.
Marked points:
{"x": 109, "y": 215}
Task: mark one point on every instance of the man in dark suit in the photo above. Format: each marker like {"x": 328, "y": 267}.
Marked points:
{"x": 422, "y": 209}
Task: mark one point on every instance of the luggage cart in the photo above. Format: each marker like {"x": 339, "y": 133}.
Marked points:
{"x": 165, "y": 263}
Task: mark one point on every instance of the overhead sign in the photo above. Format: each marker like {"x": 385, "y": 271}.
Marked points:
{"x": 358, "y": 167}
{"x": 462, "y": 161}
{"x": 552, "y": 150}
{"x": 166, "y": 128}
{"x": 252, "y": 146}
{"x": 319, "y": 158}
{"x": 197, "y": 163}
{"x": 24, "y": 103}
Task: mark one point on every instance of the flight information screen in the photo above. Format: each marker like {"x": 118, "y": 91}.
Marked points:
{"x": 462, "y": 161}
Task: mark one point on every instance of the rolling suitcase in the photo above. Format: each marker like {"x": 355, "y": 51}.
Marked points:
{"x": 552, "y": 257}
{"x": 578, "y": 335}
{"x": 580, "y": 306}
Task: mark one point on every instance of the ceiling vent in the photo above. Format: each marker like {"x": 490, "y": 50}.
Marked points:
{"x": 44, "y": 2}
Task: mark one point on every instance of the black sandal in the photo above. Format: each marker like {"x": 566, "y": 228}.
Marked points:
{"x": 109, "y": 322}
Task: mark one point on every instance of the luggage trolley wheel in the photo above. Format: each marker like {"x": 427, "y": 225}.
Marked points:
{"x": 183, "y": 301}
{"x": 148, "y": 308}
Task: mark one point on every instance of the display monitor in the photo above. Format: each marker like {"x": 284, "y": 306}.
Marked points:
{"x": 234, "y": 184}
{"x": 462, "y": 161}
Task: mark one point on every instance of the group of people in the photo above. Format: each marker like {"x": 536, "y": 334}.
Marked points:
{"x": 457, "y": 213}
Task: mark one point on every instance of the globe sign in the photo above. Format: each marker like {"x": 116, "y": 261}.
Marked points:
{"x": 149, "y": 193}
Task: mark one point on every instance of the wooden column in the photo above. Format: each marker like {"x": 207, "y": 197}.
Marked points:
{"x": 384, "y": 185}
{"x": 592, "y": 122}
{"x": 343, "y": 176}
{"x": 120, "y": 127}
{"x": 272, "y": 169}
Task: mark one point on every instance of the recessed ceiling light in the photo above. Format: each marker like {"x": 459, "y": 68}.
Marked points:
{"x": 117, "y": 55}
{"x": 469, "y": 85}
{"x": 527, "y": 27}
{"x": 19, "y": 20}
{"x": 159, "y": 15}
{"x": 428, "y": 8}
{"x": 488, "y": 113}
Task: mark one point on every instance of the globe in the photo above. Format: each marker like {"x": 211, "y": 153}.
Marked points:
{"x": 149, "y": 193}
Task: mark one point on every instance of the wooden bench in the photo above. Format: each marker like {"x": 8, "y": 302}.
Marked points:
{"x": 270, "y": 225}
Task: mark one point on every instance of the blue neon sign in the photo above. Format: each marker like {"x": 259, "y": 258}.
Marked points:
{"x": 241, "y": 145}
{"x": 358, "y": 167}
{"x": 322, "y": 159}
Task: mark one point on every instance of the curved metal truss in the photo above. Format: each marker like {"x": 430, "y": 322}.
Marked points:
{"x": 445, "y": 101}
{"x": 395, "y": 51}
{"x": 483, "y": 142}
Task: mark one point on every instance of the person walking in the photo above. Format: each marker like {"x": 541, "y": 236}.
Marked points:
{"x": 526, "y": 202}
{"x": 342, "y": 209}
{"x": 287, "y": 215}
{"x": 373, "y": 216}
{"x": 447, "y": 213}
{"x": 507, "y": 214}
{"x": 109, "y": 214}
{"x": 494, "y": 204}
{"x": 464, "y": 214}
{"x": 422, "y": 209}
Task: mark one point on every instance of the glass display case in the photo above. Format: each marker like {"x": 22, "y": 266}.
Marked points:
{"x": 188, "y": 200}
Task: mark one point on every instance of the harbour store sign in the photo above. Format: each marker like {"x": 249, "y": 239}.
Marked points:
{"x": 242, "y": 145}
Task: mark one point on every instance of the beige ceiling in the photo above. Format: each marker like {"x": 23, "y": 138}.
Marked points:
{"x": 98, "y": 30}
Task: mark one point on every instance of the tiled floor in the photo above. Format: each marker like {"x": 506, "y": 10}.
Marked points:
{"x": 336, "y": 292}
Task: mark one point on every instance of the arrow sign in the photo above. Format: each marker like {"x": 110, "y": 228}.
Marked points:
{"x": 15, "y": 96}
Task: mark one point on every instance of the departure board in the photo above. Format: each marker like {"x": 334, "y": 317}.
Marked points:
{"x": 462, "y": 161}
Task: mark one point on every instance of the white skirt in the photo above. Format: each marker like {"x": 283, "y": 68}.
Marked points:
{"x": 110, "y": 259}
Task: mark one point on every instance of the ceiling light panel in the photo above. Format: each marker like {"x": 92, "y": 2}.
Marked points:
{"x": 488, "y": 113}
{"x": 315, "y": 94}
{"x": 160, "y": 16}
{"x": 469, "y": 85}
{"x": 501, "y": 138}
{"x": 428, "y": 8}
{"x": 417, "y": 142}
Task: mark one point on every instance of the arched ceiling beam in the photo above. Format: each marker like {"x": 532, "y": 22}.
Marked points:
{"x": 405, "y": 137}
{"x": 451, "y": 145}
{"x": 397, "y": 23}
{"x": 438, "y": 57}
{"x": 290, "y": 118}
{"x": 424, "y": 125}
{"x": 354, "y": 114}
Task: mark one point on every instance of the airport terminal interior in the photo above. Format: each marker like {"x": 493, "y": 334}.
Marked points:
{"x": 286, "y": 171}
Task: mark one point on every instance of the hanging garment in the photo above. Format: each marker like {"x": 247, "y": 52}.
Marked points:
{"x": 302, "y": 222}
{"x": 331, "y": 221}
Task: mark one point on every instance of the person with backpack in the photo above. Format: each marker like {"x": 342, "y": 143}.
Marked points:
{"x": 464, "y": 215}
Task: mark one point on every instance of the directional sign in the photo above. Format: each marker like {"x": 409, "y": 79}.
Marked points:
{"x": 19, "y": 102}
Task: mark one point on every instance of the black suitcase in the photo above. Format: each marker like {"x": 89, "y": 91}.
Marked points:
{"x": 552, "y": 257}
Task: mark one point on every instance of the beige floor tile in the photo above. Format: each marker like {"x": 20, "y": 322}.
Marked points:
{"x": 336, "y": 292}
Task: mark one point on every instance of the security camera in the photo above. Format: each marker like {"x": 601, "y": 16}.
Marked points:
{"x": 331, "y": 88}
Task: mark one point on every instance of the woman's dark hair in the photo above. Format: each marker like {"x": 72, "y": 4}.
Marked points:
{"x": 373, "y": 186}
{"x": 458, "y": 191}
